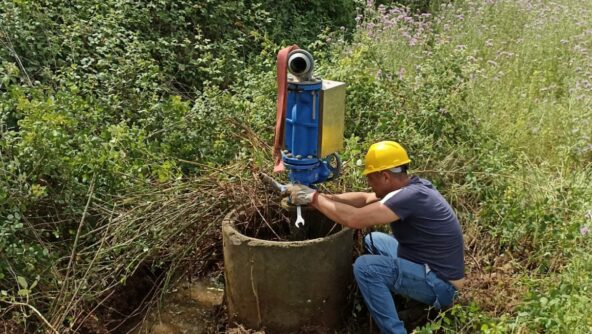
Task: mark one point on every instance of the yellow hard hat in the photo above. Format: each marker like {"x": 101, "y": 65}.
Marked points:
{"x": 384, "y": 155}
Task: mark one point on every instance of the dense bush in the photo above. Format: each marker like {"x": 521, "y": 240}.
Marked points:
{"x": 99, "y": 100}
{"x": 154, "y": 47}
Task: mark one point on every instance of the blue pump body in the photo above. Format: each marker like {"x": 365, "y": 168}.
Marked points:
{"x": 302, "y": 135}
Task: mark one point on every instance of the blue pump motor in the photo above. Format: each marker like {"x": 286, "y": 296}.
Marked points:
{"x": 314, "y": 123}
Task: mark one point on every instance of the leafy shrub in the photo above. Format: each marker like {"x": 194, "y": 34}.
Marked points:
{"x": 560, "y": 304}
{"x": 104, "y": 99}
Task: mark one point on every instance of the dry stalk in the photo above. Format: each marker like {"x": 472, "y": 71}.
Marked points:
{"x": 71, "y": 264}
{"x": 37, "y": 313}
{"x": 174, "y": 226}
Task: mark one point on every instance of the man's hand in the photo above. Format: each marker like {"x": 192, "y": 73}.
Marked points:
{"x": 300, "y": 194}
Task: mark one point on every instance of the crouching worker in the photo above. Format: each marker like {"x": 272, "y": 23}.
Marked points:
{"x": 424, "y": 261}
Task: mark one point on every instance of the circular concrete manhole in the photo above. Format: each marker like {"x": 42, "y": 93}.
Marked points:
{"x": 285, "y": 279}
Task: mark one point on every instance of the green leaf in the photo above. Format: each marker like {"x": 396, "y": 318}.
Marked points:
{"x": 22, "y": 282}
{"x": 34, "y": 284}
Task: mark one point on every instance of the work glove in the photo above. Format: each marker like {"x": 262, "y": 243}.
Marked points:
{"x": 300, "y": 194}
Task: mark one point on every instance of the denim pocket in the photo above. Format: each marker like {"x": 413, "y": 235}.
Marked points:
{"x": 443, "y": 290}
{"x": 412, "y": 281}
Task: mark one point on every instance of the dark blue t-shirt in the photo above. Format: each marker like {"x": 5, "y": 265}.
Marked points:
{"x": 428, "y": 232}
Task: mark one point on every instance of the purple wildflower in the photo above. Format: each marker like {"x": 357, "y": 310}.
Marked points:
{"x": 584, "y": 230}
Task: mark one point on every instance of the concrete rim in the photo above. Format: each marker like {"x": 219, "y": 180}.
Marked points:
{"x": 229, "y": 226}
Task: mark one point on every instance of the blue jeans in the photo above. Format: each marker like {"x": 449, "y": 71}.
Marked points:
{"x": 382, "y": 272}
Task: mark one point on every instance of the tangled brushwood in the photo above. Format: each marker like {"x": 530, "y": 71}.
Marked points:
{"x": 160, "y": 235}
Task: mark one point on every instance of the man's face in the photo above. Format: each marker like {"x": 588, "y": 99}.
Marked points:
{"x": 378, "y": 182}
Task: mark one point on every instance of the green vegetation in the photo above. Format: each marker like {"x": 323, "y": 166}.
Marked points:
{"x": 127, "y": 131}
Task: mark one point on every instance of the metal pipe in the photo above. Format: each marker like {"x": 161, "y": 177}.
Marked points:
{"x": 301, "y": 64}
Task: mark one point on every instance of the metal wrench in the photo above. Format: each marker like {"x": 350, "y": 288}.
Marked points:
{"x": 299, "y": 220}
{"x": 280, "y": 188}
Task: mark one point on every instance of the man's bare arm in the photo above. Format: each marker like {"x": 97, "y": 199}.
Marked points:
{"x": 374, "y": 213}
{"x": 355, "y": 199}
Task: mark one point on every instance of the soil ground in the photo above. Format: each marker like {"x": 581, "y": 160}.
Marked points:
{"x": 198, "y": 308}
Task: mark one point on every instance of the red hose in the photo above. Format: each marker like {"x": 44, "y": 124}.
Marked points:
{"x": 282, "y": 92}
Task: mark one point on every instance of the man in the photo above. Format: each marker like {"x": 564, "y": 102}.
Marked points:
{"x": 424, "y": 260}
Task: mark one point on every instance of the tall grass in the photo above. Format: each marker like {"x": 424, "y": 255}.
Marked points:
{"x": 534, "y": 90}
{"x": 494, "y": 98}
